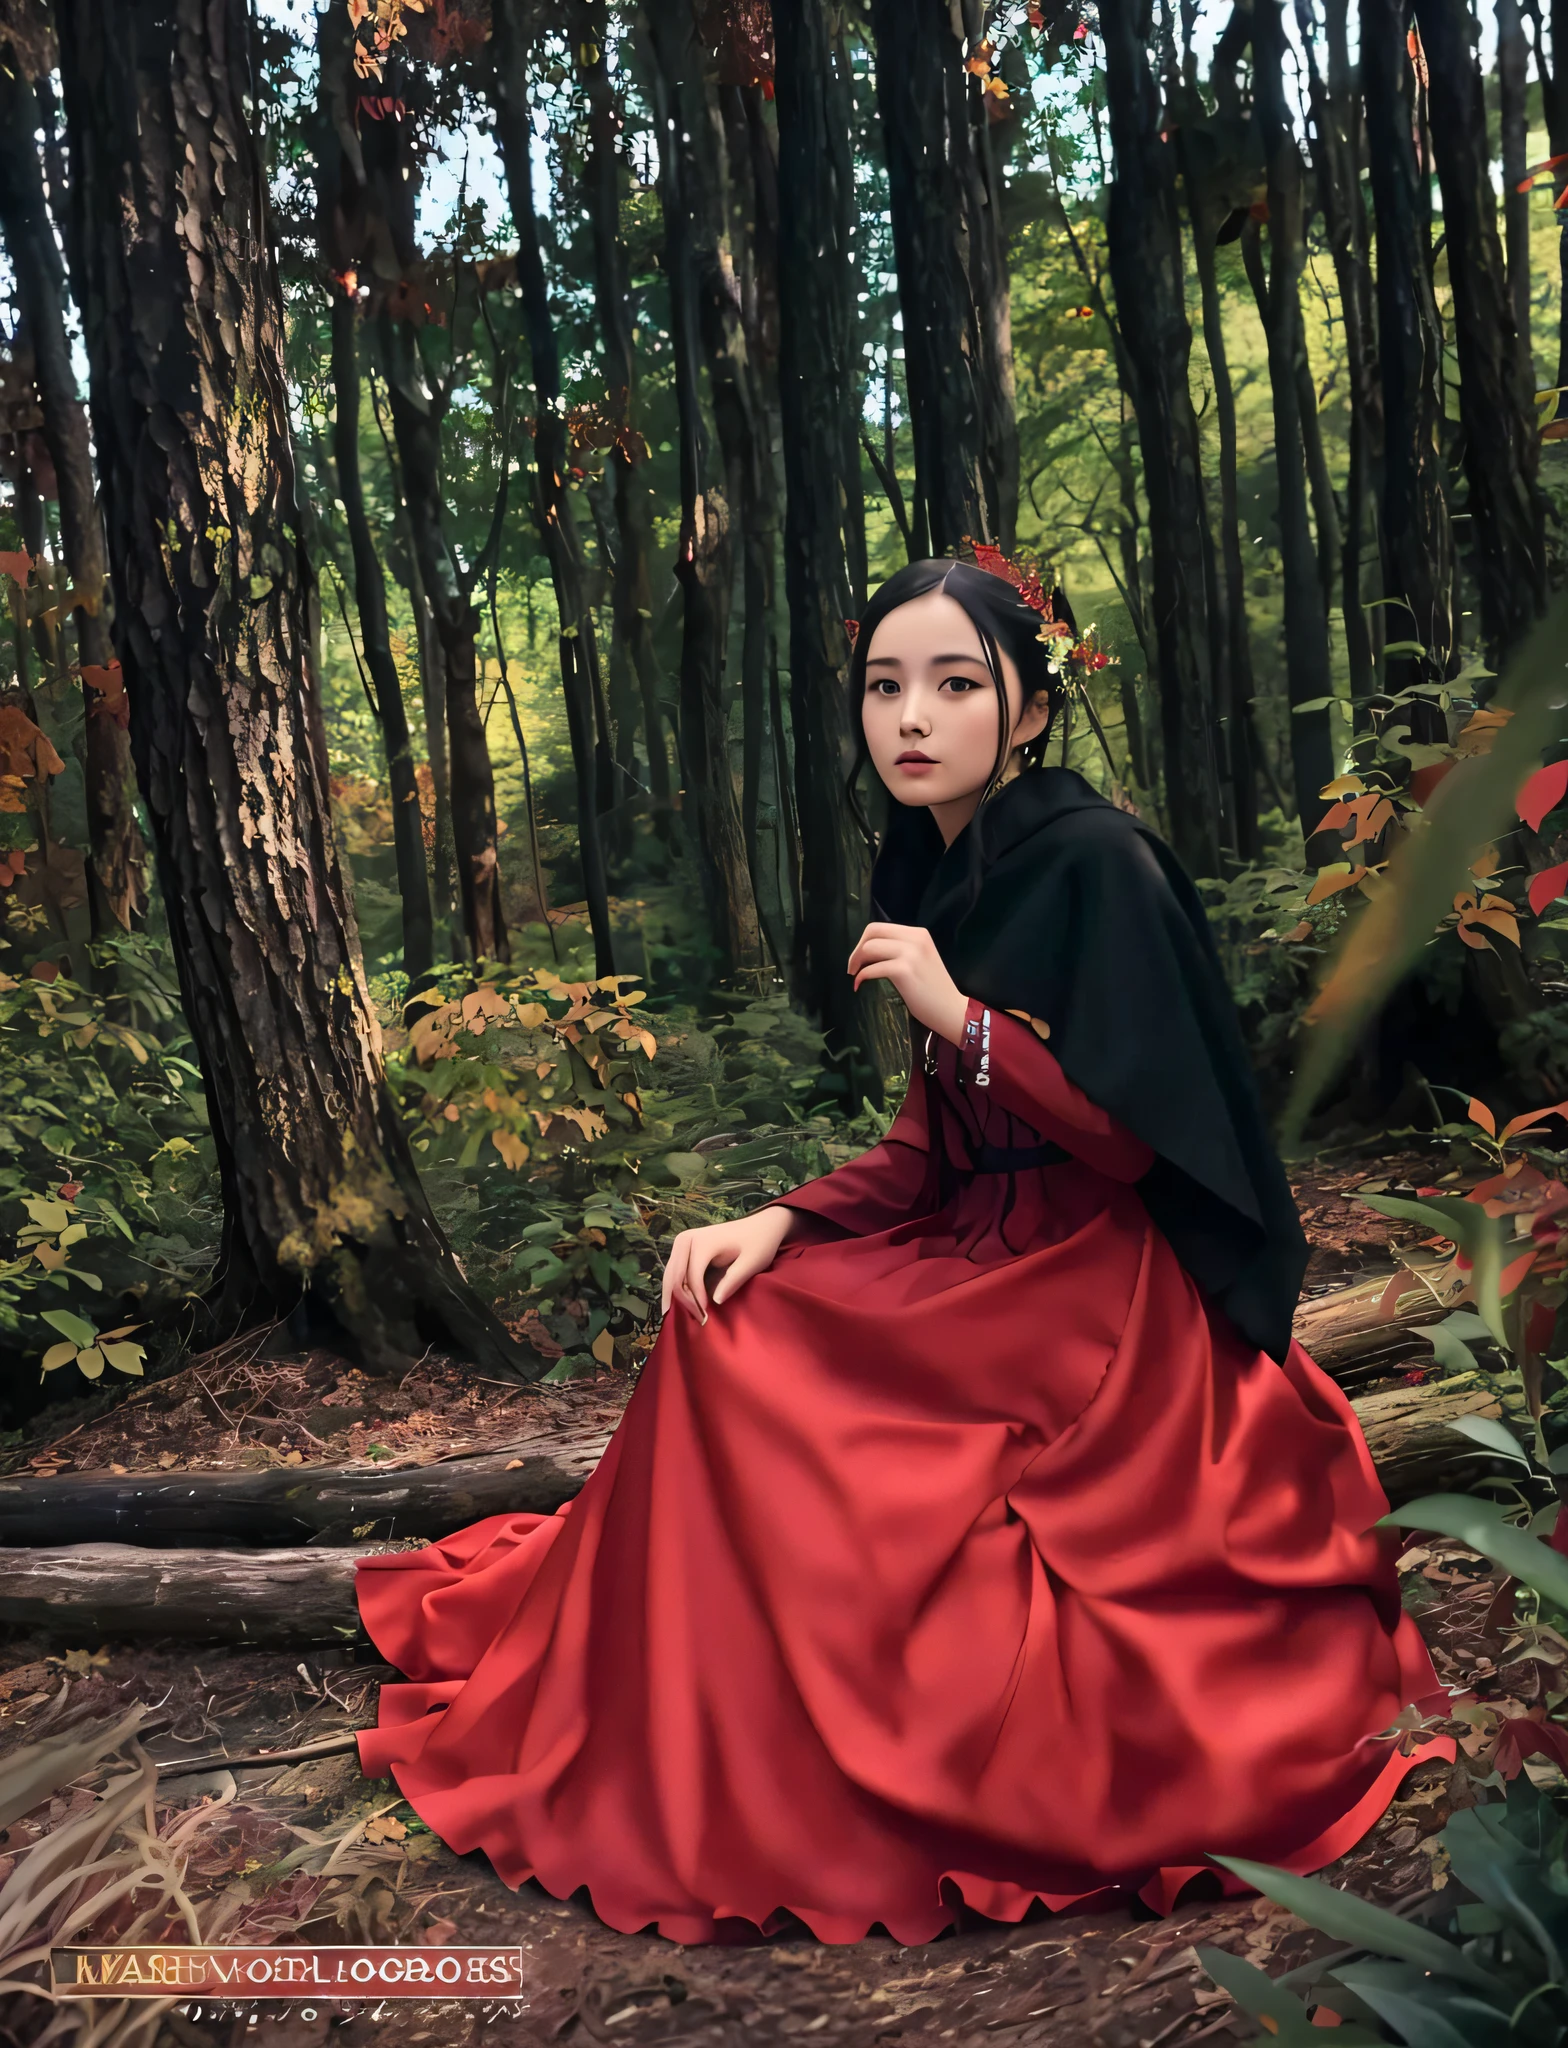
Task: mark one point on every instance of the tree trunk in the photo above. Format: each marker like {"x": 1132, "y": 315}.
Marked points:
{"x": 632, "y": 613}
{"x": 824, "y": 529}
{"x": 555, "y": 520}
{"x": 116, "y": 881}
{"x": 952, "y": 276}
{"x": 1340, "y": 127}
{"x": 418, "y": 412}
{"x": 1148, "y": 274}
{"x": 1239, "y": 747}
{"x": 1418, "y": 548}
{"x": 340, "y": 204}
{"x": 1513, "y": 88}
{"x": 183, "y": 319}
{"x": 1496, "y": 388}
{"x": 1308, "y": 673}
{"x": 370, "y": 599}
{"x": 703, "y": 324}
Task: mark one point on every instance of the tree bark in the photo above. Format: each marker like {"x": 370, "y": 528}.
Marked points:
{"x": 1513, "y": 88}
{"x": 1148, "y": 274}
{"x": 704, "y": 323}
{"x": 116, "y": 879}
{"x": 1308, "y": 672}
{"x": 945, "y": 197}
{"x": 824, "y": 517}
{"x": 1338, "y": 155}
{"x": 632, "y": 602}
{"x": 340, "y": 203}
{"x": 321, "y": 1504}
{"x": 554, "y": 517}
{"x": 183, "y": 318}
{"x": 1418, "y": 548}
{"x": 370, "y": 599}
{"x": 1496, "y": 388}
{"x": 1240, "y": 744}
{"x": 418, "y": 411}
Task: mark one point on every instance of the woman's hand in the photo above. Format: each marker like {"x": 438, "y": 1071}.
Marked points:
{"x": 746, "y": 1246}
{"x": 906, "y": 955}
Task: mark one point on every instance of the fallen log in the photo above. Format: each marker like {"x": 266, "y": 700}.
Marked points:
{"x": 1344, "y": 1333}
{"x": 102, "y": 1591}
{"x": 99, "y": 1591}
{"x": 298, "y": 1505}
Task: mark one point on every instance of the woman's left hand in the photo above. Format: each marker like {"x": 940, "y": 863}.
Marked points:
{"x": 906, "y": 955}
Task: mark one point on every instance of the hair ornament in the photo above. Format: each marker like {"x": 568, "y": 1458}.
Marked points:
{"x": 852, "y": 628}
{"x": 1072, "y": 658}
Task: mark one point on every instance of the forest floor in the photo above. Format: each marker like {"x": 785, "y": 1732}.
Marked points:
{"x": 361, "y": 1867}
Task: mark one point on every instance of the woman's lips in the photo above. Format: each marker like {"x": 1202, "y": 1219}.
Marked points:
{"x": 914, "y": 761}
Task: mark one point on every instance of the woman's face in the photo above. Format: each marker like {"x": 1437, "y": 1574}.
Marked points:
{"x": 930, "y": 708}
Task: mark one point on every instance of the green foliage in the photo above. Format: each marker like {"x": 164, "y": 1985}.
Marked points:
{"x": 107, "y": 1171}
{"x": 1491, "y": 1972}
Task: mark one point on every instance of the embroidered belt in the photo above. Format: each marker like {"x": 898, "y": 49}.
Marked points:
{"x": 1016, "y": 1158}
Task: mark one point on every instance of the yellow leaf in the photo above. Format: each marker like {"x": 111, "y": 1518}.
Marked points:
{"x": 1340, "y": 875}
{"x": 166, "y": 1459}
{"x": 531, "y": 1015}
{"x": 91, "y": 1362}
{"x": 511, "y": 1148}
{"x": 49, "y": 1256}
{"x": 123, "y": 1357}
{"x": 57, "y": 1355}
{"x": 603, "y": 1348}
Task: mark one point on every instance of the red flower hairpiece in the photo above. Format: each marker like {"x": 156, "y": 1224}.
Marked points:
{"x": 1024, "y": 578}
{"x": 852, "y": 628}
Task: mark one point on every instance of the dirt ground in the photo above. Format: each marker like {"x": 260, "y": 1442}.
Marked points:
{"x": 311, "y": 1851}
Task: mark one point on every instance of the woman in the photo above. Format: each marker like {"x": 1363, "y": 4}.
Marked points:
{"x": 975, "y": 1533}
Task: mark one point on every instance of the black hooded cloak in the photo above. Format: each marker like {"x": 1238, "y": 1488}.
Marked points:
{"x": 1054, "y": 901}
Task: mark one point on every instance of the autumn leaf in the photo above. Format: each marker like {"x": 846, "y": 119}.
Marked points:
{"x": 1542, "y": 793}
{"x": 1547, "y": 886}
{"x": 17, "y": 564}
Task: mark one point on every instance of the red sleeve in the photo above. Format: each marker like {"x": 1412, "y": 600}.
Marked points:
{"x": 877, "y": 1190}
{"x": 1007, "y": 1060}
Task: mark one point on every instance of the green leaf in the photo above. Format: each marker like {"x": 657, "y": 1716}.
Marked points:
{"x": 1312, "y": 704}
{"x": 70, "y": 1326}
{"x": 1403, "y": 647}
{"x": 1494, "y": 1435}
{"x": 1426, "y": 2014}
{"x": 1348, "y": 1918}
{"x": 1480, "y": 1524}
{"x": 1478, "y": 1236}
{"x": 105, "y": 1207}
{"x": 90, "y": 1362}
{"x": 49, "y": 1215}
{"x": 1259, "y": 1996}
{"x": 1450, "y": 1353}
{"x": 124, "y": 1357}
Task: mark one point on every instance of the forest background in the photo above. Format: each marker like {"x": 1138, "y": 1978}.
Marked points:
{"x": 445, "y": 449}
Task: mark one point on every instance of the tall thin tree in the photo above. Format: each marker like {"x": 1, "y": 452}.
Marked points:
{"x": 945, "y": 195}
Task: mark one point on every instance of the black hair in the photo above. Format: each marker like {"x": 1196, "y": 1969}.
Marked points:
{"x": 1003, "y": 621}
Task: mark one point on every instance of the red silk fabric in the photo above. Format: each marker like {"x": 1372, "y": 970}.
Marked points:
{"x": 926, "y": 1569}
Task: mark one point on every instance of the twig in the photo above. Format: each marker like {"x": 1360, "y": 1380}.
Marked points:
{"x": 328, "y": 1745}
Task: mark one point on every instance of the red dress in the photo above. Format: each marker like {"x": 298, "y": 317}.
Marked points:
{"x": 926, "y": 1567}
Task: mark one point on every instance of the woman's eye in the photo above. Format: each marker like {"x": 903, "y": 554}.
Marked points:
{"x": 960, "y": 683}
{"x": 883, "y": 686}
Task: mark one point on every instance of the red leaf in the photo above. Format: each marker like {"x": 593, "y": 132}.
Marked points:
{"x": 1547, "y": 886}
{"x": 1542, "y": 793}
{"x": 18, "y": 565}
{"x": 1521, "y": 1736}
{"x": 1480, "y": 1114}
{"x": 1425, "y": 780}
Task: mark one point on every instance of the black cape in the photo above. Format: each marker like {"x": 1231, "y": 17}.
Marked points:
{"x": 1085, "y": 919}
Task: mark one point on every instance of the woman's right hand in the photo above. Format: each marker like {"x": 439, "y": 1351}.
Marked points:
{"x": 745, "y": 1246}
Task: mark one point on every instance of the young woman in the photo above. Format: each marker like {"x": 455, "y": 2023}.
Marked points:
{"x": 975, "y": 1533}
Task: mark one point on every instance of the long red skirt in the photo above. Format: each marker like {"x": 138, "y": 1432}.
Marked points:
{"x": 908, "y": 1577}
